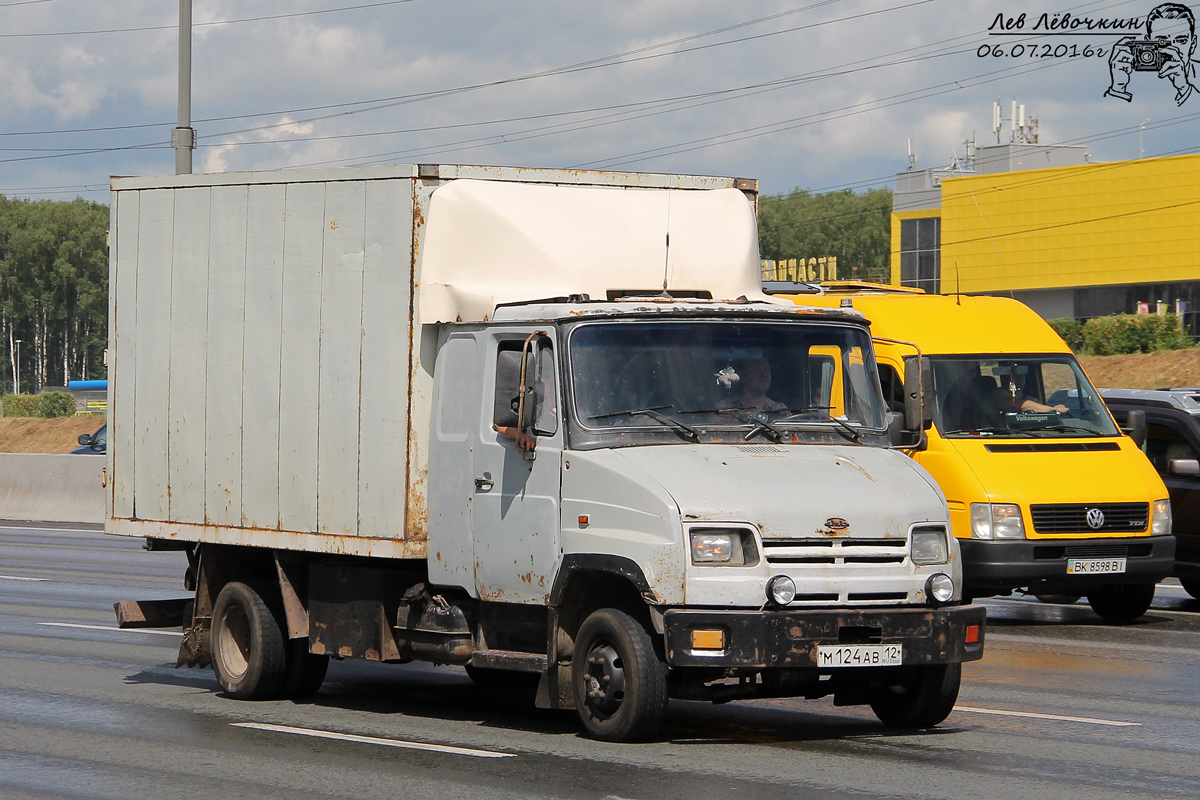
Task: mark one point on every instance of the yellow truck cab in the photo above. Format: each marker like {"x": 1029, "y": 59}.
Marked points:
{"x": 1046, "y": 494}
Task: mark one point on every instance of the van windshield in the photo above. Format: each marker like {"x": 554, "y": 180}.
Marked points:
{"x": 694, "y": 379}
{"x": 1017, "y": 396}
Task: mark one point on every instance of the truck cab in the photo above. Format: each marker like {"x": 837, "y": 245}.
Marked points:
{"x": 1046, "y": 493}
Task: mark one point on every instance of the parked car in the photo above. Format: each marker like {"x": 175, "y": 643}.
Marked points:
{"x": 93, "y": 443}
{"x": 1173, "y": 447}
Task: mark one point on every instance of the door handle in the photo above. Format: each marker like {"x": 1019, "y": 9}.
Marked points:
{"x": 483, "y": 484}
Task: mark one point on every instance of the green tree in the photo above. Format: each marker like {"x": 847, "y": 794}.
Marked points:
{"x": 854, "y": 227}
{"x": 53, "y": 290}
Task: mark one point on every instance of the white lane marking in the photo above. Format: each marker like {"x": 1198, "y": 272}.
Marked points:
{"x": 351, "y": 737}
{"x": 20, "y": 578}
{"x": 1032, "y": 715}
{"x": 110, "y": 628}
{"x": 39, "y": 529}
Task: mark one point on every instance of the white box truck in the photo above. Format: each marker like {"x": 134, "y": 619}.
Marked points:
{"x": 524, "y": 421}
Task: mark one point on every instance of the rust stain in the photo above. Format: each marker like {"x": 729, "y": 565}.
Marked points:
{"x": 333, "y": 224}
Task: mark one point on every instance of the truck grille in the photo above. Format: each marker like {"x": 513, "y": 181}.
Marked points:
{"x": 1072, "y": 517}
{"x": 835, "y": 551}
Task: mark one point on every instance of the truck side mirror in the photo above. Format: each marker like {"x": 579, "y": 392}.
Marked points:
{"x": 1135, "y": 426}
{"x": 508, "y": 391}
{"x": 918, "y": 394}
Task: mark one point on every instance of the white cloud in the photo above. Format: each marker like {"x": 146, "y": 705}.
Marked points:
{"x": 934, "y": 87}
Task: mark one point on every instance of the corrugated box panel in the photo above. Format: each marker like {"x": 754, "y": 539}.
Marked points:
{"x": 260, "y": 363}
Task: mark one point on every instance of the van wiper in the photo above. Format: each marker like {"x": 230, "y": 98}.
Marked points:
{"x": 1067, "y": 429}
{"x": 795, "y": 412}
{"x": 990, "y": 430}
{"x": 654, "y": 413}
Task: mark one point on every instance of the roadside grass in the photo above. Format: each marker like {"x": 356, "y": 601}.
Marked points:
{"x": 1165, "y": 368}
{"x": 36, "y": 435}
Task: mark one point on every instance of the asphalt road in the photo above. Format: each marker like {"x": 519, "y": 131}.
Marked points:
{"x": 1062, "y": 706}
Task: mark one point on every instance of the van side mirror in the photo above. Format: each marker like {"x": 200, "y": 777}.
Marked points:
{"x": 1135, "y": 426}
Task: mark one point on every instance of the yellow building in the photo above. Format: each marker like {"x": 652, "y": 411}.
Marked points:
{"x": 1071, "y": 239}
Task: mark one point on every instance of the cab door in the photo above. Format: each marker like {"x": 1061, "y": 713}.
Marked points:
{"x": 515, "y": 508}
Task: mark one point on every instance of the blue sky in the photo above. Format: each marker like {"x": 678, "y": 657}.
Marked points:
{"x": 823, "y": 94}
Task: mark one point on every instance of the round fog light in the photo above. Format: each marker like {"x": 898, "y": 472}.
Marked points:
{"x": 781, "y": 590}
{"x": 939, "y": 588}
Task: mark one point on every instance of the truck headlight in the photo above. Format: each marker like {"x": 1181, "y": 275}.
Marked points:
{"x": 929, "y": 546}
{"x": 722, "y": 546}
{"x": 1160, "y": 518}
{"x": 939, "y": 588}
{"x": 996, "y": 521}
{"x": 781, "y": 590}
{"x": 717, "y": 547}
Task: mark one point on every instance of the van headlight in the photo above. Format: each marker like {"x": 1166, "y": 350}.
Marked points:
{"x": 929, "y": 546}
{"x": 730, "y": 546}
{"x": 996, "y": 521}
{"x": 1160, "y": 518}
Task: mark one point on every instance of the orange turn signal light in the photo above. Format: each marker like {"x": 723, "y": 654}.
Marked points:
{"x": 972, "y": 634}
{"x": 708, "y": 639}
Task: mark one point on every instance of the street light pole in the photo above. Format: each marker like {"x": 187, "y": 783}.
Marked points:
{"x": 183, "y": 136}
{"x": 17, "y": 370}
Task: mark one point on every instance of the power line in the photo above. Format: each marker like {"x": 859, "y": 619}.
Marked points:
{"x": 146, "y": 28}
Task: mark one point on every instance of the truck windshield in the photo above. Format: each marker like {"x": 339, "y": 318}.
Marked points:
{"x": 1017, "y": 396}
{"x": 696, "y": 379}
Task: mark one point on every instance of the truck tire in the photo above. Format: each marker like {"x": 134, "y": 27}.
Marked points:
{"x": 248, "y": 651}
{"x": 619, "y": 682}
{"x": 921, "y": 698}
{"x": 305, "y": 671}
{"x": 1122, "y": 603}
{"x": 1191, "y": 586}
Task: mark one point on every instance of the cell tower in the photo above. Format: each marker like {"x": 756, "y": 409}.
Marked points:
{"x": 1022, "y": 130}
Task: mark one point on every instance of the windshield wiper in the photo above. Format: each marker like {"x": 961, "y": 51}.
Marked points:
{"x": 1067, "y": 428}
{"x": 654, "y": 413}
{"x": 760, "y": 424}
{"x": 991, "y": 430}
{"x": 795, "y": 412}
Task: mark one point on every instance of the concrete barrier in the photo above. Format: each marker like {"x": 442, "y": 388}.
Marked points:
{"x": 50, "y": 487}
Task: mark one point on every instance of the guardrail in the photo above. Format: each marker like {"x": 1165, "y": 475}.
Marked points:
{"x": 51, "y": 487}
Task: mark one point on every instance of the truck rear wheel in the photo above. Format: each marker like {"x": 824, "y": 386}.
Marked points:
{"x": 248, "y": 651}
{"x": 920, "y": 697}
{"x": 1122, "y": 603}
{"x": 619, "y": 682}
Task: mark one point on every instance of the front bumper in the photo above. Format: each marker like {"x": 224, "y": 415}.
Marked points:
{"x": 1040, "y": 565}
{"x": 789, "y": 639}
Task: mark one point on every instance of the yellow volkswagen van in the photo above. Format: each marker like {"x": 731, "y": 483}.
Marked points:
{"x": 1046, "y": 494}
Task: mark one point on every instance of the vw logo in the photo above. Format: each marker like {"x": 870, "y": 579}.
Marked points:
{"x": 1095, "y": 518}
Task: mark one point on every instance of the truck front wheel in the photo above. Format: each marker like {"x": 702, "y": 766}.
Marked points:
{"x": 1122, "y": 603}
{"x": 619, "y": 682}
{"x": 919, "y": 697}
{"x": 248, "y": 651}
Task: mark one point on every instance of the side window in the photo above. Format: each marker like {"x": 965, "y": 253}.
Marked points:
{"x": 1164, "y": 443}
{"x": 893, "y": 387}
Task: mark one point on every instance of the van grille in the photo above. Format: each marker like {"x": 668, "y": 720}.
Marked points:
{"x": 1072, "y": 517}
